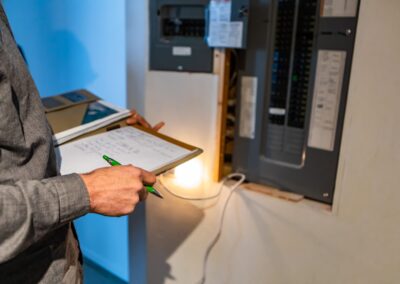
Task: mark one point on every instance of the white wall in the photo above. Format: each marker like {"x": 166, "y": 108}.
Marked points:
{"x": 187, "y": 102}
{"x": 137, "y": 37}
{"x": 266, "y": 240}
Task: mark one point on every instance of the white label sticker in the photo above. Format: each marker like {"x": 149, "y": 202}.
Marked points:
{"x": 225, "y": 34}
{"x": 181, "y": 51}
{"x": 277, "y": 111}
{"x": 326, "y": 100}
{"x": 248, "y": 98}
{"x": 339, "y": 8}
{"x": 220, "y": 10}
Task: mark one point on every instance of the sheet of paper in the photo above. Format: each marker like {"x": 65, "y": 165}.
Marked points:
{"x": 126, "y": 145}
{"x": 222, "y": 32}
{"x": 326, "y": 100}
{"x": 220, "y": 10}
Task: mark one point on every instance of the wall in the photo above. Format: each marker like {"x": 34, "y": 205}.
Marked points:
{"x": 73, "y": 44}
{"x": 137, "y": 41}
{"x": 267, "y": 240}
{"x": 79, "y": 44}
{"x": 97, "y": 61}
{"x": 33, "y": 25}
{"x": 97, "y": 47}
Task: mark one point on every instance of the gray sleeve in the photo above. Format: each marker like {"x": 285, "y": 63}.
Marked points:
{"x": 31, "y": 209}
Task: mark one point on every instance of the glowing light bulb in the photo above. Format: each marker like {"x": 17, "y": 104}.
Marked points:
{"x": 190, "y": 174}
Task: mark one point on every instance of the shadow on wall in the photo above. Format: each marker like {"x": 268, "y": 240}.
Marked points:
{"x": 169, "y": 222}
{"x": 172, "y": 227}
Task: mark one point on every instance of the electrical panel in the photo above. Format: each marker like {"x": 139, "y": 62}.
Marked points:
{"x": 183, "y": 33}
{"x": 177, "y": 41}
{"x": 293, "y": 83}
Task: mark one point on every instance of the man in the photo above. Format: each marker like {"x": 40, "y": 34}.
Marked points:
{"x": 37, "y": 242}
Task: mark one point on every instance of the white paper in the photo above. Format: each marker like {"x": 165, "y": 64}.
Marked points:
{"x": 339, "y": 8}
{"x": 126, "y": 145}
{"x": 225, "y": 34}
{"x": 222, "y": 32}
{"x": 220, "y": 10}
{"x": 326, "y": 100}
{"x": 248, "y": 100}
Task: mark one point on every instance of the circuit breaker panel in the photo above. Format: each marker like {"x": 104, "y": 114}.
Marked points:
{"x": 294, "y": 78}
{"x": 177, "y": 31}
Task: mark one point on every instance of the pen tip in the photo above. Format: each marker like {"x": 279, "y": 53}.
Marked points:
{"x": 154, "y": 191}
{"x": 159, "y": 195}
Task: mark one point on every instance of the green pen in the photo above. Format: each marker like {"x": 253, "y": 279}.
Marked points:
{"x": 149, "y": 188}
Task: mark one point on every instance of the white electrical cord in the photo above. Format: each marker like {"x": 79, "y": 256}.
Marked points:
{"x": 214, "y": 241}
{"x": 224, "y": 180}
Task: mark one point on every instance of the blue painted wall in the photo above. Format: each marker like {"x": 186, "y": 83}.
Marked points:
{"x": 72, "y": 44}
{"x": 33, "y": 24}
{"x": 96, "y": 45}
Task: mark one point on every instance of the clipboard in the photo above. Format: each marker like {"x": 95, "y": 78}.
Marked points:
{"x": 77, "y": 112}
{"x": 192, "y": 150}
{"x": 68, "y": 113}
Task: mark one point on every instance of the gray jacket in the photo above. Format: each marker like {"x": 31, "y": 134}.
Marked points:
{"x": 36, "y": 205}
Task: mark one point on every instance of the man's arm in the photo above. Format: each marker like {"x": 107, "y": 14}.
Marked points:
{"x": 31, "y": 209}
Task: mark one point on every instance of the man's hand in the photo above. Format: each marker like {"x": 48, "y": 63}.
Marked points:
{"x": 138, "y": 119}
{"x": 115, "y": 191}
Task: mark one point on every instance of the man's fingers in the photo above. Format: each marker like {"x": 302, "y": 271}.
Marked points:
{"x": 148, "y": 178}
{"x": 143, "y": 194}
{"x": 142, "y": 121}
{"x": 137, "y": 118}
{"x": 158, "y": 126}
{"x": 131, "y": 120}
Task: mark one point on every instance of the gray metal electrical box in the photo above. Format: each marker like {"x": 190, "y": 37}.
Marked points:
{"x": 294, "y": 78}
{"x": 177, "y": 36}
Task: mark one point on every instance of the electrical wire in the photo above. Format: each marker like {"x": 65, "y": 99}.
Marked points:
{"x": 227, "y": 178}
{"x": 215, "y": 240}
